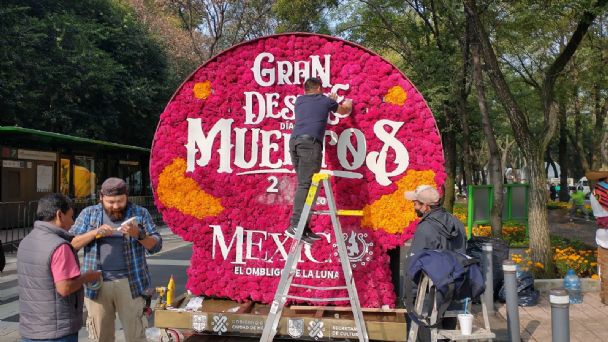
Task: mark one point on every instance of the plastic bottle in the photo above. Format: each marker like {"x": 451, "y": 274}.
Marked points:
{"x": 572, "y": 284}
{"x": 170, "y": 290}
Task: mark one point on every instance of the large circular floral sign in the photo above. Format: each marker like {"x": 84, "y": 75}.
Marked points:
{"x": 223, "y": 178}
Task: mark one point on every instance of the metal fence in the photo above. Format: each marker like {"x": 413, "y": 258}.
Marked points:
{"x": 17, "y": 218}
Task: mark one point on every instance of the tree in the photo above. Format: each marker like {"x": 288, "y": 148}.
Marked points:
{"x": 215, "y": 25}
{"x": 495, "y": 165}
{"x": 303, "y": 15}
{"x": 427, "y": 41}
{"x": 533, "y": 145}
{"x": 82, "y": 68}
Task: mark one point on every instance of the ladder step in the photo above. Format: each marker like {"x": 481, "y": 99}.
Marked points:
{"x": 327, "y": 288}
{"x": 318, "y": 299}
{"x": 340, "y": 212}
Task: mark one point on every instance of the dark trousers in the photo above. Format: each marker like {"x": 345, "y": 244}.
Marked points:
{"x": 306, "y": 156}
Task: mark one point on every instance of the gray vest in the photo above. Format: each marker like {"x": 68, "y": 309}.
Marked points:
{"x": 44, "y": 313}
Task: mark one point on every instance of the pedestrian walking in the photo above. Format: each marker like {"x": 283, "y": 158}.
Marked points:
{"x": 578, "y": 203}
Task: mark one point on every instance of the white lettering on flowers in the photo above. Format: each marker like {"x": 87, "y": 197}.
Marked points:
{"x": 350, "y": 155}
{"x": 286, "y": 72}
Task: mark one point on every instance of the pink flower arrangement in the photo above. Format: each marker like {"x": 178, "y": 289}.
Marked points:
{"x": 237, "y": 233}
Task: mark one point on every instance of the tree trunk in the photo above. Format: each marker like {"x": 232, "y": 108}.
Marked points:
{"x": 564, "y": 161}
{"x": 464, "y": 117}
{"x": 449, "y": 152}
{"x": 533, "y": 146}
{"x": 599, "y": 148}
{"x": 540, "y": 244}
{"x": 494, "y": 158}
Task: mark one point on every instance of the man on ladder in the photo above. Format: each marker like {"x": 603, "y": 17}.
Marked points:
{"x": 306, "y": 144}
{"x": 291, "y": 264}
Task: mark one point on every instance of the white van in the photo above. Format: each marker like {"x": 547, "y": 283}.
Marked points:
{"x": 584, "y": 183}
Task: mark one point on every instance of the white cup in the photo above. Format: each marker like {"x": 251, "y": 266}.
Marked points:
{"x": 466, "y": 323}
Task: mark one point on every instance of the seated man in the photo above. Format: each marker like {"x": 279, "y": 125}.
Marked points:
{"x": 437, "y": 228}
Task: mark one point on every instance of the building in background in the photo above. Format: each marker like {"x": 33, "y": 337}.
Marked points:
{"x": 34, "y": 163}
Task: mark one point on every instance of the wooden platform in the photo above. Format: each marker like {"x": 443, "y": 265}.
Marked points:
{"x": 228, "y": 318}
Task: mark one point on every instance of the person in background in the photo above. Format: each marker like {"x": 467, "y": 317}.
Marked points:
{"x": 118, "y": 249}
{"x": 553, "y": 192}
{"x": 578, "y": 203}
{"x": 50, "y": 282}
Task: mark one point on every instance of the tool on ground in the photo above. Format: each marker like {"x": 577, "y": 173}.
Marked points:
{"x": 291, "y": 264}
{"x": 161, "y": 290}
{"x": 170, "y": 291}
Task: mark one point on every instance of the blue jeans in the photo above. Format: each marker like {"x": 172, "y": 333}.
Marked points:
{"x": 306, "y": 156}
{"x": 68, "y": 338}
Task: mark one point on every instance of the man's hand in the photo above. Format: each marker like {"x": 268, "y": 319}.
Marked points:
{"x": 91, "y": 276}
{"x": 346, "y": 107}
{"x": 103, "y": 231}
{"x": 131, "y": 229}
{"x": 69, "y": 286}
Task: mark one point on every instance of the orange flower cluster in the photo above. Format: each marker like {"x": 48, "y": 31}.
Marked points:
{"x": 202, "y": 90}
{"x": 396, "y": 95}
{"x": 557, "y": 205}
{"x": 583, "y": 262}
{"x": 461, "y": 213}
{"x": 525, "y": 264}
{"x": 393, "y": 213}
{"x": 507, "y": 231}
{"x": 177, "y": 191}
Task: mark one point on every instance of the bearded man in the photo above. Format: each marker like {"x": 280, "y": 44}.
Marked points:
{"x": 437, "y": 229}
{"x": 117, "y": 247}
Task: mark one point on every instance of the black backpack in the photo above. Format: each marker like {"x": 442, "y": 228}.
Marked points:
{"x": 455, "y": 277}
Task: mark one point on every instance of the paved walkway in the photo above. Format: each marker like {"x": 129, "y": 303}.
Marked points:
{"x": 579, "y": 229}
{"x": 588, "y": 321}
{"x": 9, "y": 292}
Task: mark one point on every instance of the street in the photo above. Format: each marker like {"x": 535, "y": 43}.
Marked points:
{"x": 174, "y": 259}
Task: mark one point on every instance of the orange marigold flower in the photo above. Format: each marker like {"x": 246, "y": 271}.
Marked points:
{"x": 177, "y": 191}
{"x": 393, "y": 213}
{"x": 396, "y": 95}
{"x": 595, "y": 276}
{"x": 202, "y": 90}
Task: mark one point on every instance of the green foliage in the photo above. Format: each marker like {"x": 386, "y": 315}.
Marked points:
{"x": 303, "y": 15}
{"x": 80, "y": 67}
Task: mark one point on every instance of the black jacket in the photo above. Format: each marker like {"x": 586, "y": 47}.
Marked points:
{"x": 440, "y": 230}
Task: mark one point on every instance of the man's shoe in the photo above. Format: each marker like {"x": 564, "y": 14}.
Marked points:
{"x": 310, "y": 235}
{"x": 291, "y": 232}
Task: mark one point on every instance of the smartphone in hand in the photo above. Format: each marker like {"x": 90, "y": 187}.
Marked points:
{"x": 129, "y": 221}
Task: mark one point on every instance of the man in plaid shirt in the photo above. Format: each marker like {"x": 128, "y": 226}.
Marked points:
{"x": 118, "y": 249}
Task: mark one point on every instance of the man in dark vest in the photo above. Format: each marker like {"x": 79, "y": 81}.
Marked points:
{"x": 50, "y": 283}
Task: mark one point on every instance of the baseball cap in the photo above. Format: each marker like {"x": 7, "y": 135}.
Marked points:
{"x": 113, "y": 187}
{"x": 424, "y": 194}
